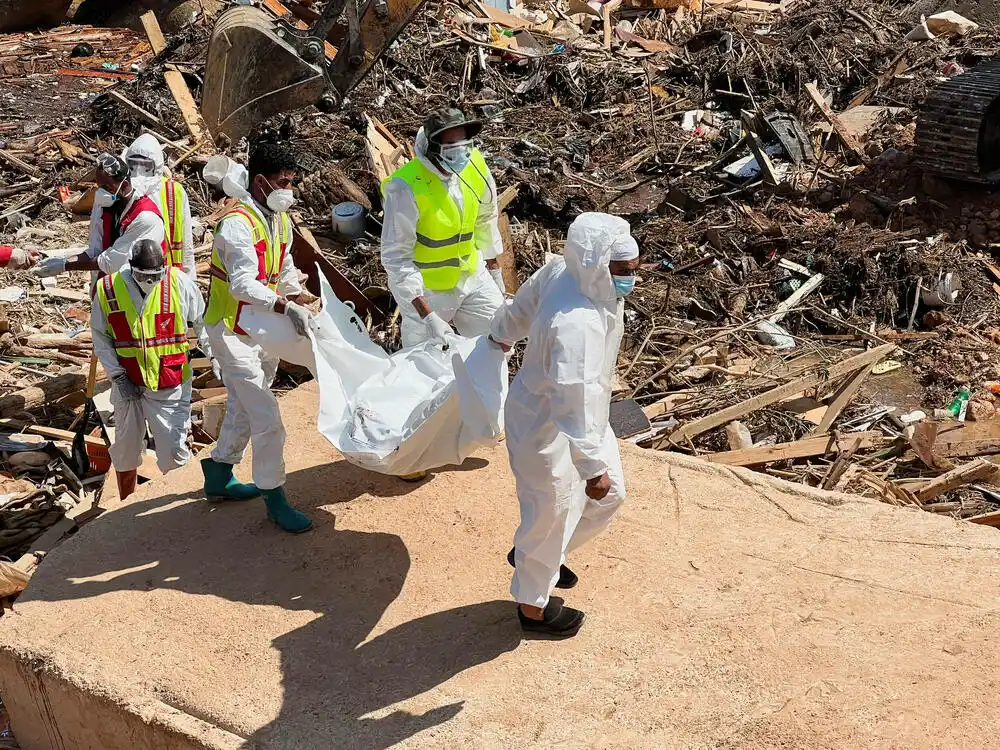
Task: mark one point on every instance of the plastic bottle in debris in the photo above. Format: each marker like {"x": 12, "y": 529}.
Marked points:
{"x": 960, "y": 404}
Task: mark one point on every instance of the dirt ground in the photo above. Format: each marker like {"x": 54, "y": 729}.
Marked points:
{"x": 726, "y": 610}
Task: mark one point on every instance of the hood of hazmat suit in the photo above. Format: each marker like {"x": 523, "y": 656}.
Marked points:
{"x": 222, "y": 172}
{"x": 556, "y": 415}
{"x": 145, "y": 147}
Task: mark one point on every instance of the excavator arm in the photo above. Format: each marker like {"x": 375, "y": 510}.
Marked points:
{"x": 262, "y": 62}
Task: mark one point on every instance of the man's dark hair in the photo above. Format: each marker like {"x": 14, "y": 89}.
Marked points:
{"x": 270, "y": 158}
{"x": 147, "y": 255}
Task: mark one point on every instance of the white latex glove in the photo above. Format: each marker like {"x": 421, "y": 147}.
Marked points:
{"x": 127, "y": 390}
{"x": 50, "y": 267}
{"x": 437, "y": 329}
{"x": 216, "y": 369}
{"x": 299, "y": 316}
{"x": 497, "y": 274}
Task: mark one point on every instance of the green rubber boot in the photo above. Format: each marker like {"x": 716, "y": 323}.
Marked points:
{"x": 221, "y": 485}
{"x": 283, "y": 514}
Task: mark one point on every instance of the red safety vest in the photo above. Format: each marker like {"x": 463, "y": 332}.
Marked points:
{"x": 113, "y": 231}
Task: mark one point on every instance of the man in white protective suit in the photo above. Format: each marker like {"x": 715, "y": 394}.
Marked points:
{"x": 145, "y": 161}
{"x": 563, "y": 453}
{"x": 139, "y": 323}
{"x": 440, "y": 239}
{"x": 123, "y": 214}
{"x": 252, "y": 266}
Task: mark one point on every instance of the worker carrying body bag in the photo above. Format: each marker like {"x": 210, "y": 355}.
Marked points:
{"x": 418, "y": 409}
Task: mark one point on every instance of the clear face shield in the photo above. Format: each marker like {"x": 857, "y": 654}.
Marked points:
{"x": 141, "y": 166}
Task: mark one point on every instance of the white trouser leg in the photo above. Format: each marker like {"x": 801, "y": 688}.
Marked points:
{"x": 477, "y": 308}
{"x": 252, "y": 412}
{"x": 130, "y": 434}
{"x": 551, "y": 497}
{"x": 169, "y": 422}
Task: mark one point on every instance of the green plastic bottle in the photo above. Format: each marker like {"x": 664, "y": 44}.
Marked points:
{"x": 958, "y": 405}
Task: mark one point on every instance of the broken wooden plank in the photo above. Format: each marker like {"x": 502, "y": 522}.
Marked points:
{"x": 767, "y": 169}
{"x": 666, "y": 404}
{"x": 805, "y": 448}
{"x": 19, "y": 164}
{"x": 175, "y": 82}
{"x": 960, "y": 476}
{"x": 849, "y": 141}
{"x": 839, "y": 466}
{"x": 51, "y": 433}
{"x": 807, "y": 288}
{"x": 782, "y": 392}
{"x": 147, "y": 117}
{"x": 841, "y": 399}
{"x": 508, "y": 195}
{"x": 506, "y": 259}
{"x": 987, "y": 519}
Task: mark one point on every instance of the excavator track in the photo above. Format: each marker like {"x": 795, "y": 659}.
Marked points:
{"x": 958, "y": 130}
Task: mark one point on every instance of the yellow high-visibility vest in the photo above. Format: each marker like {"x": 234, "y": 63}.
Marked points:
{"x": 171, "y": 199}
{"x": 152, "y": 345}
{"x": 446, "y": 242}
{"x": 270, "y": 256}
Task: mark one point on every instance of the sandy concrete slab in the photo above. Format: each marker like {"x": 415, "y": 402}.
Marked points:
{"x": 725, "y": 610}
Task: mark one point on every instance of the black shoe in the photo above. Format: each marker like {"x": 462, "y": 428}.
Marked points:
{"x": 557, "y": 621}
{"x": 567, "y": 578}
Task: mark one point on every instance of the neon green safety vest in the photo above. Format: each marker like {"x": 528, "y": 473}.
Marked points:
{"x": 171, "y": 200}
{"x": 153, "y": 346}
{"x": 446, "y": 243}
{"x": 221, "y": 303}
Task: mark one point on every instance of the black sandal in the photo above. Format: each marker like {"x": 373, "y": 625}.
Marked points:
{"x": 567, "y": 578}
{"x": 557, "y": 621}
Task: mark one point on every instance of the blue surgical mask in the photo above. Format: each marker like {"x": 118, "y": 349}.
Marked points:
{"x": 623, "y": 285}
{"x": 455, "y": 157}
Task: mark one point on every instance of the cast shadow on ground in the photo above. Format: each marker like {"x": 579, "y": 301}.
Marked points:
{"x": 332, "y": 678}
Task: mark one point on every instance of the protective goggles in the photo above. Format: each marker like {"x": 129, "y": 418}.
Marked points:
{"x": 146, "y": 277}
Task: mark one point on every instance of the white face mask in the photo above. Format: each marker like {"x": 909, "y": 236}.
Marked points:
{"x": 279, "y": 200}
{"x": 104, "y": 198}
{"x": 456, "y": 156}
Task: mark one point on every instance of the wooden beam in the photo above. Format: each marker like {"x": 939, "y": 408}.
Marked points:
{"x": 507, "y": 196}
{"x": 839, "y": 128}
{"x": 763, "y": 160}
{"x": 841, "y": 399}
{"x": 797, "y": 296}
{"x": 782, "y": 392}
{"x": 987, "y": 519}
{"x": 19, "y": 164}
{"x": 147, "y": 117}
{"x": 506, "y": 259}
{"x": 957, "y": 477}
{"x": 176, "y": 83}
{"x": 49, "y": 432}
{"x": 805, "y": 448}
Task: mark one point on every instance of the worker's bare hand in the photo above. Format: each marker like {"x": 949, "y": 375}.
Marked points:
{"x": 599, "y": 487}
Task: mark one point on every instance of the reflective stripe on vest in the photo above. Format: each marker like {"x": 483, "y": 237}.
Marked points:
{"x": 221, "y": 303}
{"x": 446, "y": 245}
{"x": 151, "y": 347}
{"x": 172, "y": 200}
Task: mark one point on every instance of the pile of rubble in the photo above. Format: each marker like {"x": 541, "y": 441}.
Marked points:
{"x": 810, "y": 304}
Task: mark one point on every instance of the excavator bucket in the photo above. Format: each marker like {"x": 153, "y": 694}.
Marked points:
{"x": 260, "y": 64}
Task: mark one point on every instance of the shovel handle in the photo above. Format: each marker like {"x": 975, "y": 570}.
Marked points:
{"x": 92, "y": 376}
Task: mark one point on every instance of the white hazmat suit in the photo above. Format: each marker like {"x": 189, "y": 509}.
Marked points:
{"x": 476, "y": 297}
{"x": 145, "y": 226}
{"x": 252, "y": 411}
{"x": 558, "y": 434}
{"x": 166, "y": 411}
{"x": 148, "y": 148}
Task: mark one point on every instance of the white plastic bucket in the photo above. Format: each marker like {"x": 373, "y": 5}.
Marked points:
{"x": 348, "y": 219}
